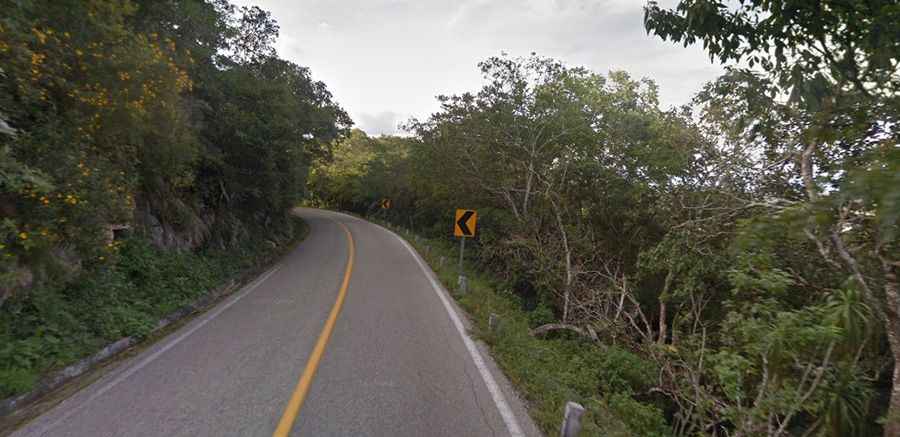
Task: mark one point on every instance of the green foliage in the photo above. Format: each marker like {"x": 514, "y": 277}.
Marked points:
{"x": 807, "y": 46}
{"x": 259, "y": 167}
{"x": 131, "y": 113}
{"x": 175, "y": 121}
{"x": 641, "y": 419}
{"x": 551, "y": 372}
{"x": 540, "y": 315}
{"x": 816, "y": 265}
{"x": 624, "y": 372}
{"x": 52, "y": 326}
{"x": 739, "y": 258}
{"x": 360, "y": 171}
{"x": 15, "y": 380}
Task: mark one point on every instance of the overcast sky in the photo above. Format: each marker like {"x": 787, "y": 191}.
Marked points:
{"x": 386, "y": 60}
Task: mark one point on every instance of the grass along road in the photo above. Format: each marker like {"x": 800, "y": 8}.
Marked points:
{"x": 547, "y": 372}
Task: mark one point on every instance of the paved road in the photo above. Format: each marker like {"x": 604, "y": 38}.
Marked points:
{"x": 396, "y": 363}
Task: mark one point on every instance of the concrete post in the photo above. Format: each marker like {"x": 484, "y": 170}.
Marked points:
{"x": 493, "y": 322}
{"x": 571, "y": 424}
{"x": 463, "y": 283}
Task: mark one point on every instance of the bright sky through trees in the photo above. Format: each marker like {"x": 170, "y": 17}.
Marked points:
{"x": 385, "y": 60}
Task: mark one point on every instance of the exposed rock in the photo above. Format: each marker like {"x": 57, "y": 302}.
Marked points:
{"x": 190, "y": 235}
{"x": 67, "y": 260}
{"x": 23, "y": 279}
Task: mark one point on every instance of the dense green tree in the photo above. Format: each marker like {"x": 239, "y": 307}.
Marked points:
{"x": 685, "y": 234}
{"x": 174, "y": 118}
{"x": 360, "y": 171}
{"x": 263, "y": 131}
{"x": 820, "y": 100}
{"x": 568, "y": 169}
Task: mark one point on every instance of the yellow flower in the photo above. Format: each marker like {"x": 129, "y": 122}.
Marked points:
{"x": 37, "y": 58}
{"x": 40, "y": 35}
{"x": 23, "y": 235}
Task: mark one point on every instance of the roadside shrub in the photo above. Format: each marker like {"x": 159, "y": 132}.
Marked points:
{"x": 15, "y": 380}
{"x": 541, "y": 314}
{"x": 642, "y": 419}
{"x": 51, "y": 327}
{"x": 621, "y": 371}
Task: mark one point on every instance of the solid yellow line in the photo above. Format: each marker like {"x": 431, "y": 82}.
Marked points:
{"x": 296, "y": 402}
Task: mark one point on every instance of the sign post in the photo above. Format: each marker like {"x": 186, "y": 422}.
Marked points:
{"x": 464, "y": 227}
{"x": 462, "y": 247}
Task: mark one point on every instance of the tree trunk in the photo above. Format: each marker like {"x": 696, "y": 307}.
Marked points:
{"x": 568, "y": 259}
{"x": 662, "y": 321}
{"x": 892, "y": 427}
{"x": 549, "y": 327}
{"x": 806, "y": 172}
{"x": 663, "y": 299}
{"x": 892, "y": 295}
{"x": 528, "y": 181}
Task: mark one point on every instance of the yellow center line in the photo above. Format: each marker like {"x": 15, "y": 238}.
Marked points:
{"x": 299, "y": 395}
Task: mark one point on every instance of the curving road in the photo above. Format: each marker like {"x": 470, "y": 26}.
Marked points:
{"x": 396, "y": 362}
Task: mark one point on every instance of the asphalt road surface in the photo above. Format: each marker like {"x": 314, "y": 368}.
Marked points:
{"x": 396, "y": 363}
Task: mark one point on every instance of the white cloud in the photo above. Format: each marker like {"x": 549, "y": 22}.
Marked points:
{"x": 382, "y": 123}
{"x": 385, "y": 60}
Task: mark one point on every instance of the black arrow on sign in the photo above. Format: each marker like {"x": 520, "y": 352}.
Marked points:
{"x": 463, "y": 222}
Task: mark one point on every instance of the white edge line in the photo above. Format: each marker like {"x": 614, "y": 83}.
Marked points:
{"x": 509, "y": 418}
{"x": 152, "y": 357}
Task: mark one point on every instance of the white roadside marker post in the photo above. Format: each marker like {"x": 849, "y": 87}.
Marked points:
{"x": 571, "y": 424}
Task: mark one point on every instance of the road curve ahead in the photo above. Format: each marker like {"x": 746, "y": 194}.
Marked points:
{"x": 395, "y": 364}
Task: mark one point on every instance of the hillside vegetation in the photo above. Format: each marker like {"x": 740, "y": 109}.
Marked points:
{"x": 148, "y": 151}
{"x": 728, "y": 267}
